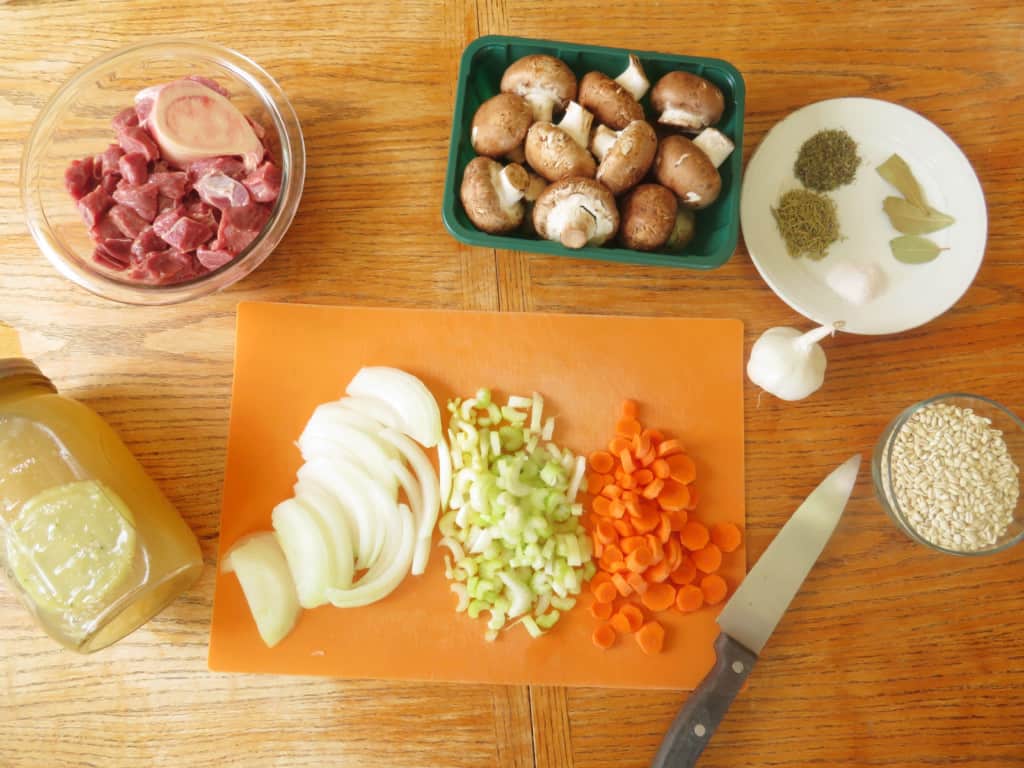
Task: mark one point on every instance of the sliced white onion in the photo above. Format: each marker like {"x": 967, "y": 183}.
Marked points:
{"x": 409, "y": 398}
{"x": 262, "y": 570}
{"x": 336, "y": 522}
{"x": 353, "y": 499}
{"x": 412, "y": 489}
{"x": 374, "y": 408}
{"x": 398, "y": 553}
{"x": 304, "y": 542}
{"x": 326, "y": 437}
{"x": 431, "y": 494}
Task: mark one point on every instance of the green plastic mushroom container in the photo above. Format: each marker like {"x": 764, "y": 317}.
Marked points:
{"x": 480, "y": 71}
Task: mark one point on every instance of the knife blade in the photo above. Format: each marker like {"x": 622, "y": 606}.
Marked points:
{"x": 752, "y": 613}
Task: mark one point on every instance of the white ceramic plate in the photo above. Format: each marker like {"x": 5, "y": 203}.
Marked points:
{"x": 912, "y": 294}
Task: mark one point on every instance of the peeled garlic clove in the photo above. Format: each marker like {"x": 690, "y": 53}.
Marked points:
{"x": 855, "y": 282}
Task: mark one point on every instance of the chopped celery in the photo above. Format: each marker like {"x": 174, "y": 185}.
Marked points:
{"x": 511, "y": 521}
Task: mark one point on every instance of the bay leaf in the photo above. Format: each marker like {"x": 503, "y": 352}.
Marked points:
{"x": 896, "y": 171}
{"x": 911, "y": 220}
{"x": 911, "y": 249}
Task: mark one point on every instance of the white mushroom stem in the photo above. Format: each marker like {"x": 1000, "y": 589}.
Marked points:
{"x": 680, "y": 117}
{"x": 576, "y": 123}
{"x": 542, "y": 102}
{"x": 634, "y": 79}
{"x": 604, "y": 138}
{"x": 580, "y": 225}
{"x": 510, "y": 185}
{"x": 715, "y": 144}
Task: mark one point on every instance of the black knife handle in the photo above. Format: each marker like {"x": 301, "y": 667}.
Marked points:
{"x": 706, "y": 707}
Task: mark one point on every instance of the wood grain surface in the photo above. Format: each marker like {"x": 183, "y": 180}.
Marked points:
{"x": 890, "y": 656}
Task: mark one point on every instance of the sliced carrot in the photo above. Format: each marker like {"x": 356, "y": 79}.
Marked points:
{"x": 594, "y": 483}
{"x": 627, "y": 482}
{"x": 623, "y": 527}
{"x": 634, "y": 615}
{"x": 708, "y": 559}
{"x": 657, "y": 552}
{"x": 726, "y": 536}
{"x": 612, "y": 553}
{"x": 627, "y": 427}
{"x": 600, "y": 578}
{"x": 637, "y": 582}
{"x": 621, "y": 584}
{"x": 685, "y": 572}
{"x": 643, "y": 476}
{"x": 639, "y": 559}
{"x": 714, "y": 588}
{"x": 618, "y": 444}
{"x": 651, "y": 638}
{"x": 611, "y": 491}
{"x": 628, "y": 409}
{"x": 628, "y": 496}
{"x": 604, "y": 636}
{"x": 669, "y": 447}
{"x": 602, "y": 611}
{"x": 630, "y": 543}
{"x": 642, "y": 444}
{"x": 601, "y": 462}
{"x": 665, "y": 529}
{"x": 659, "y": 596}
{"x": 656, "y": 435}
{"x": 693, "y": 498}
{"x": 627, "y": 461}
{"x": 653, "y": 488}
{"x": 620, "y": 623}
{"x": 616, "y": 508}
{"x": 681, "y": 468}
{"x": 673, "y": 553}
{"x": 605, "y": 532}
{"x": 674, "y": 495}
{"x": 658, "y": 573}
{"x": 647, "y": 459}
{"x": 601, "y": 506}
{"x": 598, "y": 548}
{"x": 689, "y": 598}
{"x": 647, "y": 521}
{"x": 605, "y": 592}
{"x": 694, "y": 536}
{"x": 678, "y": 518}
{"x": 661, "y": 469}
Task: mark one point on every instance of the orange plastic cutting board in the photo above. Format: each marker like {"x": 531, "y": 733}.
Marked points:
{"x": 686, "y": 375}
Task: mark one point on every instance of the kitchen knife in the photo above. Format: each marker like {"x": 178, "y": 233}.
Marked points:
{"x": 750, "y": 616}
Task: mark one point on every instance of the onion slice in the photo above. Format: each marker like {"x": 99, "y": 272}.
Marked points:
{"x": 335, "y": 522}
{"x": 380, "y": 582}
{"x": 304, "y": 543}
{"x": 431, "y": 494}
{"x": 416, "y": 408}
{"x": 261, "y": 568}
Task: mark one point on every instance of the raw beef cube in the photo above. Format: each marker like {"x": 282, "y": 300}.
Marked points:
{"x": 100, "y": 256}
{"x": 142, "y": 200}
{"x": 163, "y": 267}
{"x": 137, "y": 139}
{"x": 126, "y": 118}
{"x": 199, "y": 211}
{"x": 133, "y": 167}
{"x": 104, "y": 230}
{"x": 109, "y": 182}
{"x": 222, "y": 191}
{"x": 118, "y": 249}
{"x": 213, "y": 85}
{"x": 127, "y": 220}
{"x": 167, "y": 219}
{"x": 107, "y": 160}
{"x": 213, "y": 259}
{"x": 94, "y": 205}
{"x": 181, "y": 232}
{"x": 226, "y": 164}
{"x": 78, "y": 178}
{"x": 240, "y": 226}
{"x": 147, "y": 242}
{"x": 172, "y": 184}
{"x": 264, "y": 184}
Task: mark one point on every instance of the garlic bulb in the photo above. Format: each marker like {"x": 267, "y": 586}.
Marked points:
{"x": 787, "y": 363}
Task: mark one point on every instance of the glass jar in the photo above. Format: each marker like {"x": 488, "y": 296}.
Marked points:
{"x": 87, "y": 540}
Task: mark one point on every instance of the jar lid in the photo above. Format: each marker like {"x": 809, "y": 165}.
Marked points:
{"x": 22, "y": 368}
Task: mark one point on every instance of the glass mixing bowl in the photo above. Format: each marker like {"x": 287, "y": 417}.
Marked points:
{"x": 76, "y": 123}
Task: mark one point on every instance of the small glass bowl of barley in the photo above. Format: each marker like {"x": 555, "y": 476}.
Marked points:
{"x": 947, "y": 470}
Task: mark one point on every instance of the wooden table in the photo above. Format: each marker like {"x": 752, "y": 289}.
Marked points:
{"x": 889, "y": 656}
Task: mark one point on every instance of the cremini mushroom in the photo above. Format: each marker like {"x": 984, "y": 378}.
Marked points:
{"x": 492, "y": 196}
{"x": 633, "y": 78}
{"x": 715, "y": 144}
{"x": 686, "y": 170}
{"x": 648, "y": 217}
{"x": 500, "y": 125}
{"x": 559, "y": 151}
{"x": 610, "y": 102}
{"x": 687, "y": 101}
{"x": 544, "y": 81}
{"x": 625, "y": 156}
{"x": 683, "y": 230}
{"x": 575, "y": 212}
{"x": 537, "y": 184}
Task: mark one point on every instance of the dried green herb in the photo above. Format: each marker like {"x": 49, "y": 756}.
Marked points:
{"x": 896, "y": 171}
{"x": 911, "y": 220}
{"x": 827, "y": 160}
{"x": 911, "y": 249}
{"x": 807, "y": 222}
